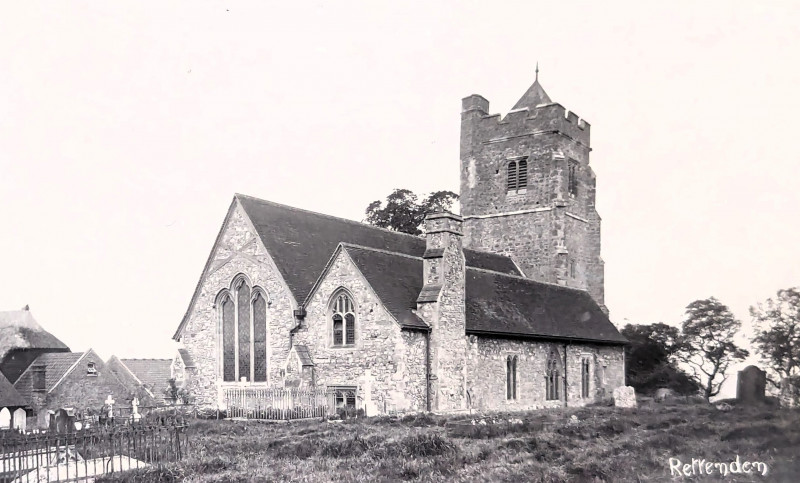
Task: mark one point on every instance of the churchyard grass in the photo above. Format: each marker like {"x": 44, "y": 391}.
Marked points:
{"x": 597, "y": 444}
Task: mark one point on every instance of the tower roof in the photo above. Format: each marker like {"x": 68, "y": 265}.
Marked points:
{"x": 534, "y": 96}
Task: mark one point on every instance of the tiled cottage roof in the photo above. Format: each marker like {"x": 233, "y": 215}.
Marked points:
{"x": 154, "y": 373}
{"x": 19, "y": 330}
{"x": 496, "y": 303}
{"x": 56, "y": 365}
{"x": 9, "y": 397}
{"x": 301, "y": 243}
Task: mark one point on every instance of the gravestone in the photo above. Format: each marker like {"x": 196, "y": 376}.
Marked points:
{"x": 664, "y": 393}
{"x": 625, "y": 397}
{"x": 20, "y": 420}
{"x": 751, "y": 385}
{"x": 5, "y": 418}
{"x": 790, "y": 392}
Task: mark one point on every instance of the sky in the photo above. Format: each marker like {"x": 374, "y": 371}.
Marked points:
{"x": 126, "y": 128}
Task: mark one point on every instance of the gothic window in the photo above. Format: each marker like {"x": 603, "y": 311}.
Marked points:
{"x": 585, "y": 377}
{"x": 344, "y": 320}
{"x": 243, "y": 313}
{"x": 243, "y": 302}
{"x": 517, "y": 176}
{"x": 228, "y": 339}
{"x": 259, "y": 338}
{"x": 572, "y": 268}
{"x": 511, "y": 377}
{"x": 553, "y": 377}
{"x": 343, "y": 397}
{"x": 573, "y": 178}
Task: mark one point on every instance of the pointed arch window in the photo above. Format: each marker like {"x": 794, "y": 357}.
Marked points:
{"x": 243, "y": 313}
{"x": 517, "y": 179}
{"x": 553, "y": 377}
{"x": 511, "y": 377}
{"x": 585, "y": 370}
{"x": 344, "y": 320}
{"x": 573, "y": 177}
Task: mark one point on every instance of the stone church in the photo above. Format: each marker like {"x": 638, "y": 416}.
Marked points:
{"x": 500, "y": 308}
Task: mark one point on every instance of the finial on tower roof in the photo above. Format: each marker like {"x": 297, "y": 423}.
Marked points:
{"x": 537, "y": 70}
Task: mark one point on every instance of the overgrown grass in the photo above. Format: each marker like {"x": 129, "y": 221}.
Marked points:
{"x": 598, "y": 444}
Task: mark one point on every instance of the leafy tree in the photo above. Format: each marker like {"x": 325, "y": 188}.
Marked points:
{"x": 706, "y": 344}
{"x": 404, "y": 213}
{"x": 777, "y": 324}
{"x": 650, "y": 359}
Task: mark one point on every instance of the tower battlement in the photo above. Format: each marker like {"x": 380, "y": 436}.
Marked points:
{"x": 550, "y": 118}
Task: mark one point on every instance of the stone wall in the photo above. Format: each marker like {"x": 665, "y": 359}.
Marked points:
{"x": 239, "y": 251}
{"x": 486, "y": 373}
{"x": 384, "y": 363}
{"x": 531, "y": 225}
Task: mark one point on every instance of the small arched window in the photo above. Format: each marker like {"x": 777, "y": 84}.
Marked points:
{"x": 344, "y": 320}
{"x": 91, "y": 369}
{"x": 553, "y": 376}
{"x": 511, "y": 377}
{"x": 585, "y": 371}
{"x": 573, "y": 178}
{"x": 517, "y": 176}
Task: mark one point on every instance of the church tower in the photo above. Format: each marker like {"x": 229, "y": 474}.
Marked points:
{"x": 527, "y": 190}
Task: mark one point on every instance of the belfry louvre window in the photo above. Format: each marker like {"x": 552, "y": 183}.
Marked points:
{"x": 244, "y": 333}
{"x": 573, "y": 178}
{"x": 585, "y": 366}
{"x": 344, "y": 320}
{"x": 517, "y": 176}
{"x": 511, "y": 377}
{"x": 553, "y": 377}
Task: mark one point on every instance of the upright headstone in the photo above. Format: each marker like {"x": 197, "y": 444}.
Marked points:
{"x": 5, "y": 418}
{"x": 135, "y": 416}
{"x": 751, "y": 385}
{"x": 625, "y": 397}
{"x": 790, "y": 392}
{"x": 20, "y": 420}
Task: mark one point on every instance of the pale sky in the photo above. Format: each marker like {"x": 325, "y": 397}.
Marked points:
{"x": 126, "y": 128}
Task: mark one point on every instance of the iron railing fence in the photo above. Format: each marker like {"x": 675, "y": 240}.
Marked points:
{"x": 286, "y": 404}
{"x": 82, "y": 455}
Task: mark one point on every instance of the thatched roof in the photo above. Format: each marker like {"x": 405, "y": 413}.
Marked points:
{"x": 19, "y": 330}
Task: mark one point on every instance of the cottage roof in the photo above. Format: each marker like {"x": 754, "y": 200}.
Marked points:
{"x": 56, "y": 365}
{"x": 154, "y": 373}
{"x": 9, "y": 397}
{"x": 19, "y": 330}
{"x": 301, "y": 243}
{"x": 496, "y": 303}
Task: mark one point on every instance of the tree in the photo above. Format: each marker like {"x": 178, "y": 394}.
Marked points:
{"x": 777, "y": 324}
{"x": 176, "y": 394}
{"x": 404, "y": 213}
{"x": 650, "y": 359}
{"x": 706, "y": 344}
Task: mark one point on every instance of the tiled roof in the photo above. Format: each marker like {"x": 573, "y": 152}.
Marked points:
{"x": 186, "y": 357}
{"x": 56, "y": 364}
{"x": 507, "y": 305}
{"x": 19, "y": 330}
{"x": 496, "y": 303}
{"x": 304, "y": 355}
{"x": 396, "y": 279}
{"x": 9, "y": 397}
{"x": 154, "y": 373}
{"x": 534, "y": 96}
{"x": 301, "y": 243}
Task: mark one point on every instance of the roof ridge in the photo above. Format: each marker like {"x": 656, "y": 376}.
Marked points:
{"x": 380, "y": 250}
{"x": 526, "y": 279}
{"x": 338, "y": 218}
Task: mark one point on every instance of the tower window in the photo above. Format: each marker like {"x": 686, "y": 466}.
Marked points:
{"x": 517, "y": 176}
{"x": 573, "y": 178}
{"x": 39, "y": 378}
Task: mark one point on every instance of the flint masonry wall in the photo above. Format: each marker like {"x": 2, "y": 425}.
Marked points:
{"x": 386, "y": 363}
{"x": 533, "y": 230}
{"x": 486, "y": 380}
{"x": 238, "y": 251}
